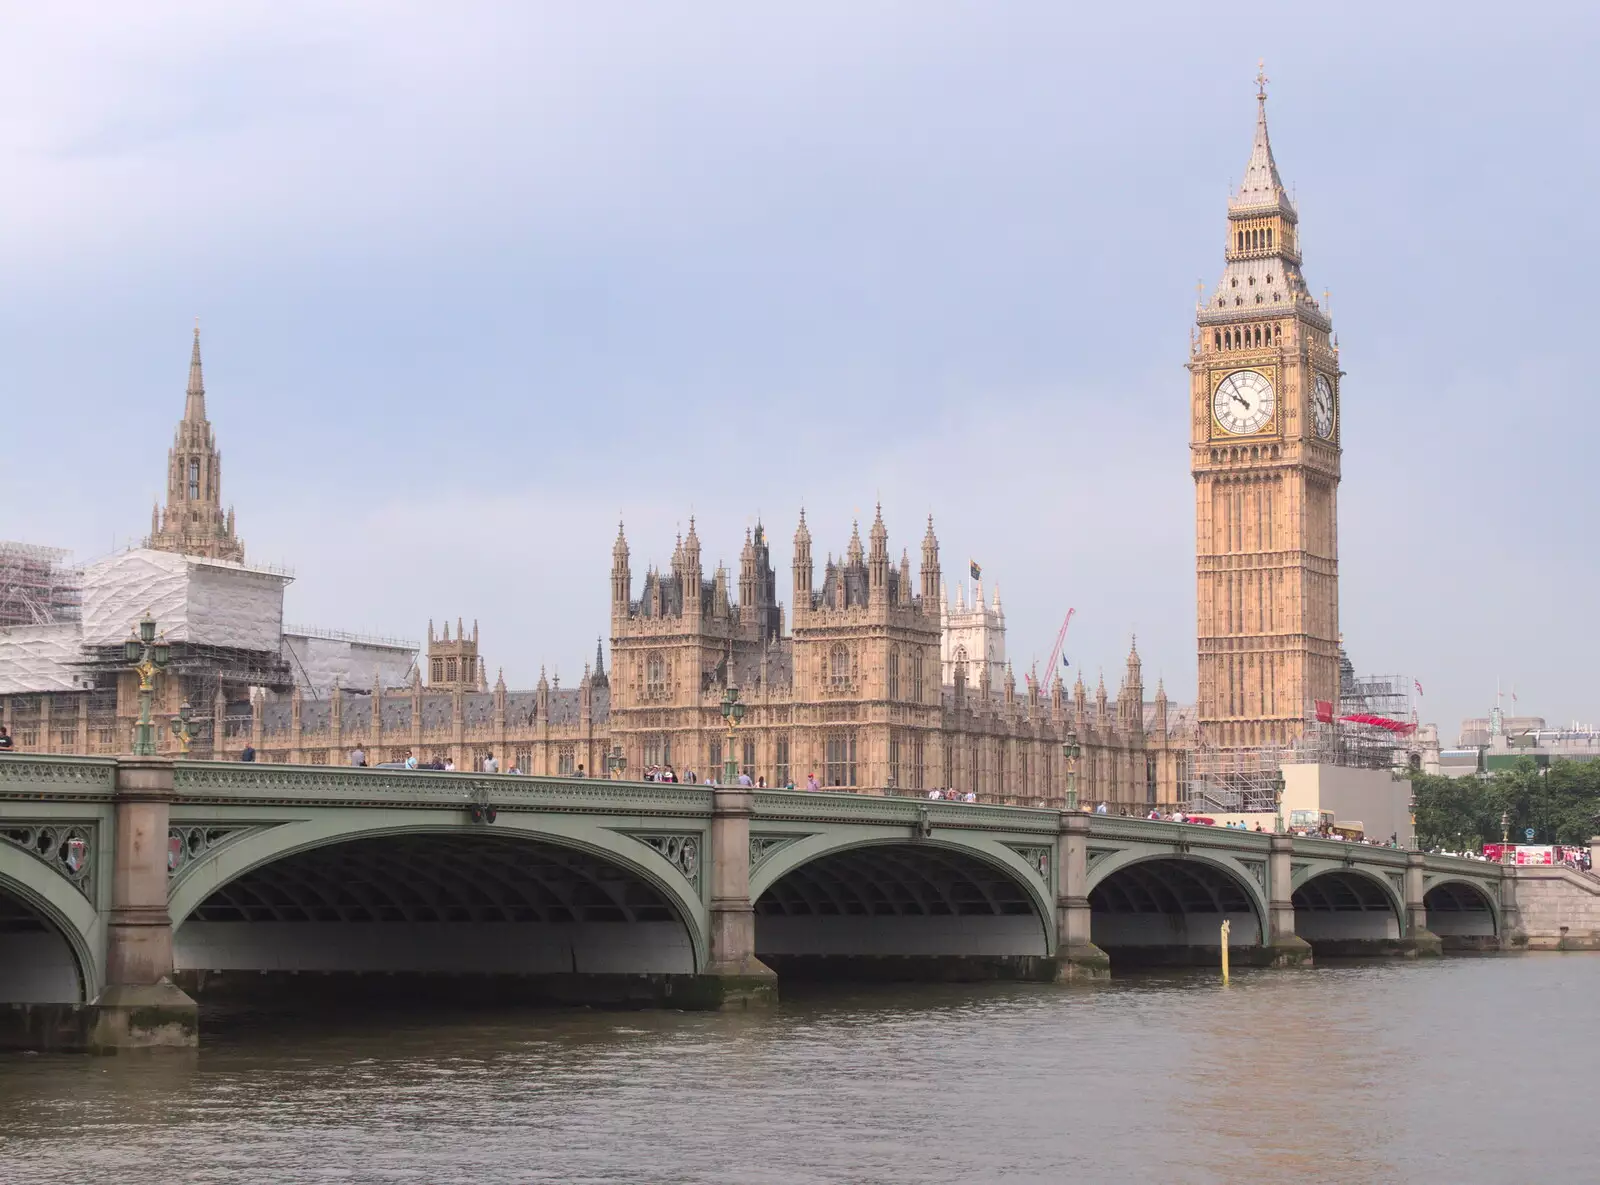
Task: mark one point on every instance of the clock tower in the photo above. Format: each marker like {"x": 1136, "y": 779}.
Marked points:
{"x": 1265, "y": 402}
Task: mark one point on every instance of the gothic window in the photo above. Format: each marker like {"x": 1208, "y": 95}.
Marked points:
{"x": 1234, "y": 283}
{"x": 841, "y": 764}
{"x": 1241, "y": 240}
{"x": 436, "y": 671}
{"x": 1217, "y": 340}
{"x": 972, "y": 763}
{"x": 523, "y": 759}
{"x": 194, "y": 479}
{"x": 450, "y": 670}
{"x": 1269, "y": 247}
{"x": 894, "y": 759}
{"x": 894, "y": 672}
{"x": 714, "y": 760}
{"x": 657, "y": 750}
{"x": 916, "y": 674}
{"x": 839, "y": 667}
{"x": 747, "y": 762}
{"x": 780, "y": 764}
{"x": 566, "y": 761}
{"x": 655, "y": 678}
{"x": 919, "y": 772}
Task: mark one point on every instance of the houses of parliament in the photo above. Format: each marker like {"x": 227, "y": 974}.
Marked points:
{"x": 859, "y": 672}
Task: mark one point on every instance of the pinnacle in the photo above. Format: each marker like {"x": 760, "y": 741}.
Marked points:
{"x": 194, "y": 406}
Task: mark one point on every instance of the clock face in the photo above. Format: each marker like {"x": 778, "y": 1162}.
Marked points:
{"x": 1322, "y": 408}
{"x": 1243, "y": 403}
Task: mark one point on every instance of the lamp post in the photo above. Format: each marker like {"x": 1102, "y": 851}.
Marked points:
{"x": 180, "y": 728}
{"x": 1070, "y": 750}
{"x": 733, "y": 713}
{"x": 616, "y": 762}
{"x": 146, "y": 654}
{"x": 1277, "y": 802}
{"x": 1505, "y": 837}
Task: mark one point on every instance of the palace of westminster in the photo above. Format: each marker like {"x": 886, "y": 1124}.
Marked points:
{"x": 866, "y": 676}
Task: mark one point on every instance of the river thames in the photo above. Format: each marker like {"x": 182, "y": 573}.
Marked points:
{"x": 1457, "y": 1070}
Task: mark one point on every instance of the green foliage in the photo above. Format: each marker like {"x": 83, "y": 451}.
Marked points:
{"x": 1561, "y": 802}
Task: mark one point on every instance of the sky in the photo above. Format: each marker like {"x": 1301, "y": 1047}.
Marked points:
{"x": 476, "y": 280}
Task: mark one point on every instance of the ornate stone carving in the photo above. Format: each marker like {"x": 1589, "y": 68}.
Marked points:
{"x": 188, "y": 842}
{"x": 679, "y": 850}
{"x": 1257, "y": 869}
{"x": 1038, "y": 858}
{"x": 68, "y": 848}
{"x": 762, "y": 846}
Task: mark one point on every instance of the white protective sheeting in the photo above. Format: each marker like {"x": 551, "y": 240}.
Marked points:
{"x": 200, "y": 601}
{"x": 320, "y": 664}
{"x": 41, "y": 658}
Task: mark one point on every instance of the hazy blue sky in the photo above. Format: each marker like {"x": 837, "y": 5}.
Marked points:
{"x": 474, "y": 279}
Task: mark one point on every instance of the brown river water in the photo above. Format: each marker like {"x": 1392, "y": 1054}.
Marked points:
{"x": 1463, "y": 1070}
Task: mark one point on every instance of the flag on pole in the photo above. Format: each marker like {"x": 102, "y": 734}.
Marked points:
{"x": 1325, "y": 711}
{"x": 1064, "y": 661}
{"x": 977, "y": 572}
{"x": 1418, "y": 682}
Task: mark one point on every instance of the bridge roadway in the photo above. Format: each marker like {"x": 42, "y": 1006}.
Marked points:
{"x": 129, "y": 887}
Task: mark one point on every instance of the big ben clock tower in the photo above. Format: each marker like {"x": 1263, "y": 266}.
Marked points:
{"x": 1266, "y": 404}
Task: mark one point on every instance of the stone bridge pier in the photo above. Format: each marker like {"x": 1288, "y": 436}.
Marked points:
{"x": 131, "y": 889}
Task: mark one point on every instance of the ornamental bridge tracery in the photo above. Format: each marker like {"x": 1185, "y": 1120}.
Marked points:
{"x": 290, "y": 869}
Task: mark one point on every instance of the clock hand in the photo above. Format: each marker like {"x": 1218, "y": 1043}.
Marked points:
{"x": 1242, "y": 401}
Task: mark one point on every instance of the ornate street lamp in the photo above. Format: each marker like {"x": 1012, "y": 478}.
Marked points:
{"x": 180, "y": 728}
{"x": 1505, "y": 836}
{"x": 146, "y": 654}
{"x": 1070, "y": 750}
{"x": 1277, "y": 802}
{"x": 616, "y": 762}
{"x": 733, "y": 713}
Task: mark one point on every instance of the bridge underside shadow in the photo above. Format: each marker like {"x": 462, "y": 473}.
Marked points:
{"x": 1462, "y": 917}
{"x": 900, "y": 912}
{"x": 37, "y": 965}
{"x": 460, "y": 918}
{"x": 1347, "y": 915}
{"x": 1169, "y": 913}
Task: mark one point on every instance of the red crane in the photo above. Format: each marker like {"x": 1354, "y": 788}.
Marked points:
{"x": 1061, "y": 637}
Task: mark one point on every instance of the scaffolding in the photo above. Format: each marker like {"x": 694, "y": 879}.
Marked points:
{"x": 1238, "y": 780}
{"x": 37, "y": 586}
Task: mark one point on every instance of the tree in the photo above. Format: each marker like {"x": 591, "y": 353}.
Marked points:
{"x": 1560, "y": 802}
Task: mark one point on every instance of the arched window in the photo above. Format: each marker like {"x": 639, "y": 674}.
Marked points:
{"x": 655, "y": 676}
{"x": 194, "y": 479}
{"x": 1217, "y": 339}
{"x": 1269, "y": 238}
{"x": 1241, "y": 240}
{"x": 894, "y": 672}
{"x": 916, "y": 674}
{"x": 839, "y": 665}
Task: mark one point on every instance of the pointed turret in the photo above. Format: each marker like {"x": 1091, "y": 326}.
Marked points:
{"x": 854, "y": 554}
{"x": 621, "y": 575}
{"x": 931, "y": 579}
{"x": 878, "y": 567}
{"x": 802, "y": 566}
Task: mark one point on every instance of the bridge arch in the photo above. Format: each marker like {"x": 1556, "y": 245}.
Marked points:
{"x": 1343, "y": 907}
{"x": 1462, "y": 913}
{"x": 527, "y": 895}
{"x": 1167, "y": 907}
{"x": 49, "y": 935}
{"x": 885, "y": 905}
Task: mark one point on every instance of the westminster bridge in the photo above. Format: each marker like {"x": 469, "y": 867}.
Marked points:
{"x": 131, "y": 887}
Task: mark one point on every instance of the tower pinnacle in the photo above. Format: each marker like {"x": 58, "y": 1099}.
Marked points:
{"x": 194, "y": 522}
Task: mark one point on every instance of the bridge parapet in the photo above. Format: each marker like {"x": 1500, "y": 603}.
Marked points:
{"x": 225, "y": 783}
{"x": 59, "y": 778}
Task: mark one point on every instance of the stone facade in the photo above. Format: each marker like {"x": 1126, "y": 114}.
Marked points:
{"x": 849, "y": 691}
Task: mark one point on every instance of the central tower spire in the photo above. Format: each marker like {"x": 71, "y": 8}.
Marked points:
{"x": 193, "y": 522}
